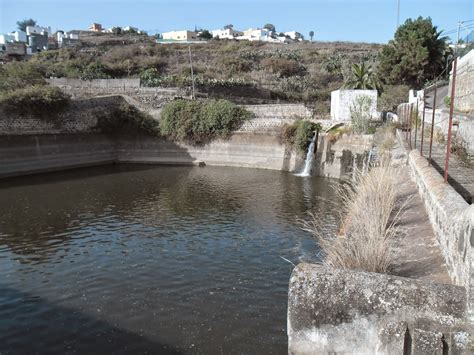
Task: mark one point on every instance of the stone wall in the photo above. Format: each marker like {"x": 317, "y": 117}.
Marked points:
{"x": 80, "y": 116}
{"x": 333, "y": 311}
{"x": 280, "y": 111}
{"x": 123, "y": 84}
{"x": 464, "y": 90}
{"x": 452, "y": 219}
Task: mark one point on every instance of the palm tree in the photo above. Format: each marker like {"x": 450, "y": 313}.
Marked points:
{"x": 362, "y": 78}
{"x": 311, "y": 35}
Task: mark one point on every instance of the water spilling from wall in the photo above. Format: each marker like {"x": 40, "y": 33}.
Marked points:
{"x": 309, "y": 158}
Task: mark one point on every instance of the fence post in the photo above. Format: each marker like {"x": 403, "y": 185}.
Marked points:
{"x": 410, "y": 112}
{"x": 450, "y": 126}
{"x": 416, "y": 119}
{"x": 432, "y": 124}
{"x": 423, "y": 126}
{"x": 406, "y": 121}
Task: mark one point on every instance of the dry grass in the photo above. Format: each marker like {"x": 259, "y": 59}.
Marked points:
{"x": 370, "y": 215}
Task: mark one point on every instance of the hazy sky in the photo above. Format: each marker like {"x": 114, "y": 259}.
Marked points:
{"x": 351, "y": 20}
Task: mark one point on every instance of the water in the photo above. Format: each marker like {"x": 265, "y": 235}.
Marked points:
{"x": 128, "y": 259}
{"x": 308, "y": 162}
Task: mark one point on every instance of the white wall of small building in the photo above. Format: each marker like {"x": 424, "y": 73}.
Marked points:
{"x": 343, "y": 100}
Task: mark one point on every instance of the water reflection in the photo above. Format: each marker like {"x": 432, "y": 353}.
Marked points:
{"x": 189, "y": 257}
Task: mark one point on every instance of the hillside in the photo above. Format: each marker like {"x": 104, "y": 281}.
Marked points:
{"x": 245, "y": 72}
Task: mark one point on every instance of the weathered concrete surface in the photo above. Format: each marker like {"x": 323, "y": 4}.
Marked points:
{"x": 464, "y": 90}
{"x": 343, "y": 100}
{"x": 343, "y": 311}
{"x": 339, "y": 159}
{"x": 452, "y": 220}
{"x": 417, "y": 253}
{"x": 26, "y": 154}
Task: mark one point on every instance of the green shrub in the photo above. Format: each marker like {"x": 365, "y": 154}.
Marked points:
{"x": 127, "y": 119}
{"x": 447, "y": 101}
{"x": 17, "y": 75}
{"x": 360, "y": 114}
{"x": 198, "y": 122}
{"x": 299, "y": 134}
{"x": 40, "y": 100}
{"x": 392, "y": 96}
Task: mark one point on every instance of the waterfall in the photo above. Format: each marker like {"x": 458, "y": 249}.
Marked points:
{"x": 309, "y": 158}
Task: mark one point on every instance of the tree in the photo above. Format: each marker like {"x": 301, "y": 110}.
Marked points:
{"x": 205, "y": 34}
{"x": 26, "y": 22}
{"x": 362, "y": 78}
{"x": 311, "y": 35}
{"x": 415, "y": 55}
{"x": 228, "y": 27}
{"x": 117, "y": 30}
{"x": 269, "y": 27}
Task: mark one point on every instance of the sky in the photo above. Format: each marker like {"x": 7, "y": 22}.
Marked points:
{"x": 372, "y": 21}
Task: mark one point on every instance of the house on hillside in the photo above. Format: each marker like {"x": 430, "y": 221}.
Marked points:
{"x": 255, "y": 34}
{"x": 182, "y": 36}
{"x": 227, "y": 33}
{"x": 95, "y": 27}
{"x": 38, "y": 30}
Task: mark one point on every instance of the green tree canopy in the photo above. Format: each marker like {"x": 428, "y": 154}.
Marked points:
{"x": 24, "y": 23}
{"x": 415, "y": 55}
{"x": 269, "y": 27}
{"x": 205, "y": 34}
{"x": 362, "y": 78}
{"x": 311, "y": 35}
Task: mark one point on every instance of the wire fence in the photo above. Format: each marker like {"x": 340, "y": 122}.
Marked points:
{"x": 429, "y": 127}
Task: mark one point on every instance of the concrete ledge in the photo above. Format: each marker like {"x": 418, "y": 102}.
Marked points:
{"x": 343, "y": 311}
{"x": 452, "y": 219}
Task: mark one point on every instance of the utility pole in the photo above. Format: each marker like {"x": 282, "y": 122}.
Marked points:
{"x": 192, "y": 70}
{"x": 398, "y": 13}
{"x": 457, "y": 41}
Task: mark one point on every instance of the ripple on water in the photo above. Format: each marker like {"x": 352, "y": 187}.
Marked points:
{"x": 133, "y": 259}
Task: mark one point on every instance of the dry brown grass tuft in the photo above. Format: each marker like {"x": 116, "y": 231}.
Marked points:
{"x": 370, "y": 215}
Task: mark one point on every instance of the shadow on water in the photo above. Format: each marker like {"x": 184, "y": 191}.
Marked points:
{"x": 69, "y": 330}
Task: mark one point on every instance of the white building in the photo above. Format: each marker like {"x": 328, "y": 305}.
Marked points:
{"x": 180, "y": 36}
{"x": 6, "y": 38}
{"x": 343, "y": 100}
{"x": 19, "y": 36}
{"x": 38, "y": 30}
{"x": 255, "y": 34}
{"x": 228, "y": 33}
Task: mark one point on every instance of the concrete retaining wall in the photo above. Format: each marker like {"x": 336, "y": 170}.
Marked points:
{"x": 452, "y": 219}
{"x": 333, "y": 311}
{"x": 26, "y": 154}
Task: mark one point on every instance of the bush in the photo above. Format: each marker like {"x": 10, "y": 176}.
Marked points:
{"x": 41, "y": 100}
{"x": 360, "y": 114}
{"x": 447, "y": 101}
{"x": 299, "y": 134}
{"x": 198, "y": 122}
{"x": 370, "y": 216}
{"x": 392, "y": 96}
{"x": 283, "y": 67}
{"x": 127, "y": 119}
{"x": 17, "y": 75}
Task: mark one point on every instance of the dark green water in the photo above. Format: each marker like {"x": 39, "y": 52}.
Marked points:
{"x": 129, "y": 259}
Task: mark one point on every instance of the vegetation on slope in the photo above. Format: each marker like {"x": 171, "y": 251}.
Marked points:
{"x": 198, "y": 122}
{"x": 299, "y": 134}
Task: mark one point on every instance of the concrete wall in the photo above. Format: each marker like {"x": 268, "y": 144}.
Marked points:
{"x": 452, "y": 219}
{"x": 333, "y": 311}
{"x": 339, "y": 159}
{"x": 280, "y": 111}
{"x": 464, "y": 90}
{"x": 26, "y": 154}
{"x": 342, "y": 101}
